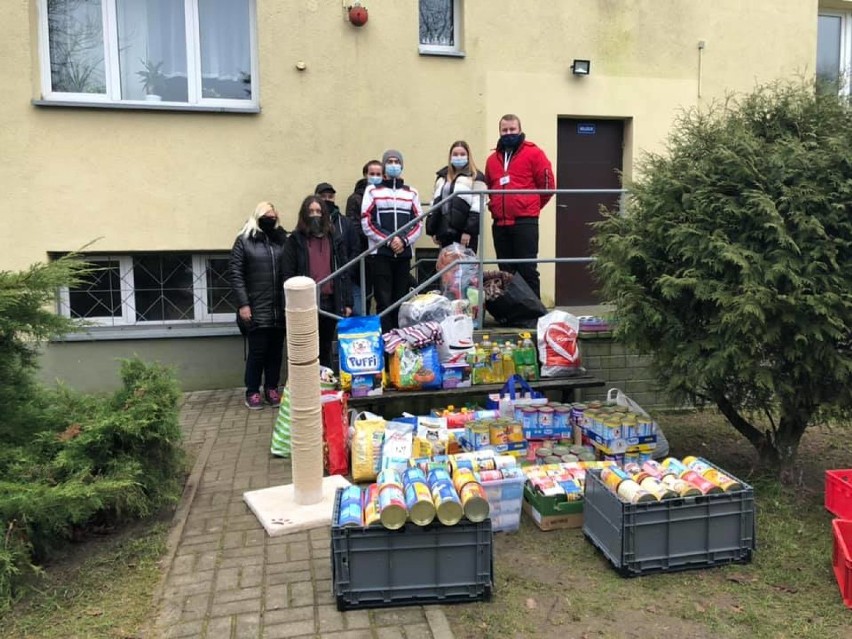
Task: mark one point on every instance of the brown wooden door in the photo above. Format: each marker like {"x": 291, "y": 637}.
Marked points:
{"x": 589, "y": 156}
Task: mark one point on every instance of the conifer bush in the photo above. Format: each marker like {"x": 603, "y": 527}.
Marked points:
{"x": 70, "y": 461}
{"x": 731, "y": 265}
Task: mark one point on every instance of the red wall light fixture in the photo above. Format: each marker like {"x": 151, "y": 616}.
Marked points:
{"x": 357, "y": 14}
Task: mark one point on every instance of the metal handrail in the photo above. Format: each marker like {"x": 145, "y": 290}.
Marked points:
{"x": 480, "y": 261}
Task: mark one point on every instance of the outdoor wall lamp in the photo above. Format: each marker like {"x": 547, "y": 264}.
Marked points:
{"x": 581, "y": 67}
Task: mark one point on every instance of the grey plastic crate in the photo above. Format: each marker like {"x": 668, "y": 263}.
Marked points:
{"x": 374, "y": 567}
{"x": 670, "y": 535}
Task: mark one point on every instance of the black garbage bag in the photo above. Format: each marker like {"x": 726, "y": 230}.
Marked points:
{"x": 518, "y": 306}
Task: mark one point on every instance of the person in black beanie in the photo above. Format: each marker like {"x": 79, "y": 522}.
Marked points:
{"x": 386, "y": 208}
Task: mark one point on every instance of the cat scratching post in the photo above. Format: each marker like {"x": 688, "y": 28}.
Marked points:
{"x": 307, "y": 502}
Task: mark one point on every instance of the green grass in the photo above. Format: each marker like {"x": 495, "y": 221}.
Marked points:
{"x": 103, "y": 589}
{"x": 558, "y": 583}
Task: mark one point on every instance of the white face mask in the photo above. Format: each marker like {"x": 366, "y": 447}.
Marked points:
{"x": 374, "y": 179}
{"x": 459, "y": 161}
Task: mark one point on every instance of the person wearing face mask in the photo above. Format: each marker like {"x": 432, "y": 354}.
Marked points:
{"x": 517, "y": 164}
{"x": 386, "y": 208}
{"x": 372, "y": 172}
{"x": 258, "y": 285}
{"x": 457, "y": 219}
{"x": 343, "y": 226}
{"x": 314, "y": 249}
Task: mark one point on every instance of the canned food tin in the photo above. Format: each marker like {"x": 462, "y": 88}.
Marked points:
{"x": 371, "y": 505}
{"x": 437, "y": 475}
{"x": 497, "y": 433}
{"x": 488, "y": 463}
{"x": 682, "y": 488}
{"x": 474, "y": 502}
{"x": 389, "y": 477}
{"x": 655, "y": 468}
{"x": 486, "y": 476}
{"x": 613, "y": 477}
{"x": 478, "y": 435}
{"x": 411, "y": 475}
{"x": 562, "y": 418}
{"x": 703, "y": 468}
{"x": 657, "y": 488}
{"x": 392, "y": 511}
{"x": 447, "y": 503}
{"x": 633, "y": 493}
{"x": 706, "y": 486}
{"x": 530, "y": 418}
{"x": 515, "y": 431}
{"x": 545, "y": 417}
{"x": 673, "y": 465}
{"x": 462, "y": 477}
{"x": 418, "y": 501}
{"x": 351, "y": 507}
{"x": 505, "y": 461}
{"x": 518, "y": 413}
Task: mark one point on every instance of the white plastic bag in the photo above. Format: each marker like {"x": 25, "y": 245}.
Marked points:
{"x": 558, "y": 349}
{"x": 616, "y": 396}
{"x": 458, "y": 338}
{"x": 426, "y": 307}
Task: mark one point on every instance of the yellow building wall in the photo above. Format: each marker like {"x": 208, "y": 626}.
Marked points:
{"x": 138, "y": 180}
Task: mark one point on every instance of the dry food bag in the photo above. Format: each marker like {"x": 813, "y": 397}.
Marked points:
{"x": 281, "y": 430}
{"x": 367, "y": 449}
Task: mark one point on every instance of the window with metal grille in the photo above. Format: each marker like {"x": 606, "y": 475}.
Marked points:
{"x": 152, "y": 289}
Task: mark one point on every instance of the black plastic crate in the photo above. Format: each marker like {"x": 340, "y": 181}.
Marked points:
{"x": 375, "y": 567}
{"x": 669, "y": 535}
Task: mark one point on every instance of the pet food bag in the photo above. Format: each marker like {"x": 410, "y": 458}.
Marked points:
{"x": 558, "y": 350}
{"x": 367, "y": 444}
{"x": 361, "y": 353}
{"x": 415, "y": 368}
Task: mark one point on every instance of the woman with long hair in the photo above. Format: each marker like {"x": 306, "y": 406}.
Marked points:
{"x": 457, "y": 219}
{"x": 258, "y": 284}
{"x": 316, "y": 250}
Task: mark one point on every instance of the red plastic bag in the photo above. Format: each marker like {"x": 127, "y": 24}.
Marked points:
{"x": 335, "y": 433}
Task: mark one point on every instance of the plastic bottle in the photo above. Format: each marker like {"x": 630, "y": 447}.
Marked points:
{"x": 508, "y": 360}
{"x": 479, "y": 370}
{"x": 526, "y": 359}
{"x": 497, "y": 374}
{"x": 485, "y": 358}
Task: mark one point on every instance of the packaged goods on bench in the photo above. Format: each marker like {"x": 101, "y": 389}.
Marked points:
{"x": 678, "y": 515}
{"x": 362, "y": 356}
{"x": 561, "y": 451}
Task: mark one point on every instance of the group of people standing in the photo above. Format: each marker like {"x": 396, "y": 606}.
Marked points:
{"x": 264, "y": 255}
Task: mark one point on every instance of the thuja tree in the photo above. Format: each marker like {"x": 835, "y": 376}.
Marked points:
{"x": 731, "y": 263}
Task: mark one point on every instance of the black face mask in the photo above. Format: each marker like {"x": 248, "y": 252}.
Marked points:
{"x": 315, "y": 226}
{"x": 267, "y": 224}
{"x": 511, "y": 141}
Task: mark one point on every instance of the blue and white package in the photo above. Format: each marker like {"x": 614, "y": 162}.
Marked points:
{"x": 361, "y": 349}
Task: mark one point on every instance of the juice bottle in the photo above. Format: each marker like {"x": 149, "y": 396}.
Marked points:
{"x": 497, "y": 375}
{"x": 479, "y": 370}
{"x": 508, "y": 360}
{"x": 487, "y": 377}
{"x": 529, "y": 357}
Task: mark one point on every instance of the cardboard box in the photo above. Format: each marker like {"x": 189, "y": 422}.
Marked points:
{"x": 552, "y": 512}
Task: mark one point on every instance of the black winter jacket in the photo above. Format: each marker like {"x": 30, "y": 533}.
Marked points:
{"x": 295, "y": 262}
{"x": 257, "y": 278}
{"x": 353, "y": 210}
{"x": 351, "y": 242}
{"x": 461, "y": 213}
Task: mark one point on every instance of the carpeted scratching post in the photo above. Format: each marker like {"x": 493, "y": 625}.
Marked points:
{"x": 307, "y": 502}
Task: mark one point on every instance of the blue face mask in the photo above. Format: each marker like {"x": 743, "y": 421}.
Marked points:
{"x": 374, "y": 179}
{"x": 459, "y": 161}
{"x": 393, "y": 170}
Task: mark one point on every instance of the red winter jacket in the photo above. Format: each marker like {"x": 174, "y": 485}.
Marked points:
{"x": 529, "y": 168}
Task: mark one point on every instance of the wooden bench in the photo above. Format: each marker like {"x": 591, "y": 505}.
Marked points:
{"x": 416, "y": 402}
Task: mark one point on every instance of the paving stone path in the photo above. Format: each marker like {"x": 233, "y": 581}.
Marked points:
{"x": 225, "y": 577}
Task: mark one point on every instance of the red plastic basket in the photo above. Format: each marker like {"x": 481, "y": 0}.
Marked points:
{"x": 838, "y": 493}
{"x": 841, "y": 559}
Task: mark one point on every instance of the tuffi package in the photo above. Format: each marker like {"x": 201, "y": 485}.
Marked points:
{"x": 362, "y": 356}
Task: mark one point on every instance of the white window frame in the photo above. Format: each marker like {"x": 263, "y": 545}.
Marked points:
{"x": 845, "y": 65}
{"x": 128, "y": 300}
{"x": 195, "y": 100}
{"x": 438, "y": 49}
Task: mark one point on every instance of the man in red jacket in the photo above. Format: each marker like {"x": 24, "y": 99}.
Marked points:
{"x": 517, "y": 164}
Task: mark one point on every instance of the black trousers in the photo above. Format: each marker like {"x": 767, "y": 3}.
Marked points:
{"x": 519, "y": 242}
{"x": 327, "y": 329}
{"x": 391, "y": 281}
{"x": 263, "y": 362}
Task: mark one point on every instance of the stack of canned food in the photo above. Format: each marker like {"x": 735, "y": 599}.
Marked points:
{"x": 654, "y": 481}
{"x": 566, "y": 479}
